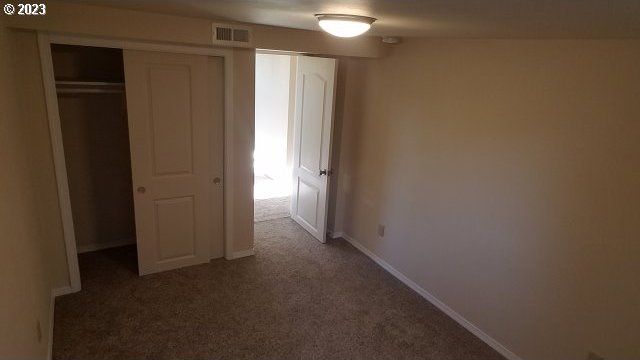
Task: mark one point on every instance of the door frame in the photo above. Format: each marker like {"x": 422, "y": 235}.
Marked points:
{"x": 294, "y": 55}
{"x": 45, "y": 39}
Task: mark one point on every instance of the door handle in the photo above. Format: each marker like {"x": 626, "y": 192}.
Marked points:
{"x": 326, "y": 172}
{"x": 141, "y": 189}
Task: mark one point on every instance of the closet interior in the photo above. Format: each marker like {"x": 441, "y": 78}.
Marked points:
{"x": 93, "y": 118}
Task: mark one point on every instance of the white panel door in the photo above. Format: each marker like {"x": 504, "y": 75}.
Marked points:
{"x": 315, "y": 90}
{"x": 170, "y": 128}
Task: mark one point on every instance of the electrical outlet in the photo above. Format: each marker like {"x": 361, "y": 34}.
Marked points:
{"x": 39, "y": 332}
{"x": 594, "y": 356}
{"x": 380, "y": 230}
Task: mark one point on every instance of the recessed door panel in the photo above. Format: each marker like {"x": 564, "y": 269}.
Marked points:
{"x": 313, "y": 98}
{"x": 308, "y": 203}
{"x": 171, "y": 119}
{"x": 176, "y": 228}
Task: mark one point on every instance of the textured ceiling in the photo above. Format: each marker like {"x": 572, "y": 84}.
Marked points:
{"x": 424, "y": 18}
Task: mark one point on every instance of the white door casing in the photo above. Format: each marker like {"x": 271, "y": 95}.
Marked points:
{"x": 315, "y": 92}
{"x": 170, "y": 127}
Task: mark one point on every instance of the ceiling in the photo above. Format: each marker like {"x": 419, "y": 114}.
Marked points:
{"x": 424, "y": 18}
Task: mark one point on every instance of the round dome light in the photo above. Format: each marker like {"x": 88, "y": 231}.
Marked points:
{"x": 344, "y": 25}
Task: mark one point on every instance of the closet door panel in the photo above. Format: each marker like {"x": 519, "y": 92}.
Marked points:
{"x": 169, "y": 127}
{"x": 171, "y": 119}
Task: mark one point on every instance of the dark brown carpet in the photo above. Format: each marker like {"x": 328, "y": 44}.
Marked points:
{"x": 296, "y": 299}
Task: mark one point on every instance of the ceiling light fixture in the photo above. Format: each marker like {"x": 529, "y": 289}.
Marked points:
{"x": 344, "y": 25}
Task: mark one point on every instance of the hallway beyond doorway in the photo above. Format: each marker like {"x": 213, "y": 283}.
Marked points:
{"x": 271, "y": 199}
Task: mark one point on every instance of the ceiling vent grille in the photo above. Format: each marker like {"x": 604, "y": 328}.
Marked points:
{"x": 232, "y": 35}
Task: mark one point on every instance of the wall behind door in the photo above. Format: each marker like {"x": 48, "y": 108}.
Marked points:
{"x": 96, "y": 141}
{"x": 272, "y": 114}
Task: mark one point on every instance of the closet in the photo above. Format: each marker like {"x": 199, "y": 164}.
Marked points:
{"x": 93, "y": 119}
{"x": 142, "y": 134}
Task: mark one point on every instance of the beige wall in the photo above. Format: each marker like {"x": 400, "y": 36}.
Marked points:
{"x": 508, "y": 176}
{"x": 243, "y": 127}
{"x": 347, "y": 112}
{"x": 30, "y": 93}
{"x": 103, "y": 21}
{"x": 315, "y": 42}
{"x": 29, "y": 231}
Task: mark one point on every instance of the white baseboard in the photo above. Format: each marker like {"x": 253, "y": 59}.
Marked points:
{"x": 243, "y": 253}
{"x": 432, "y": 299}
{"x": 105, "y": 245}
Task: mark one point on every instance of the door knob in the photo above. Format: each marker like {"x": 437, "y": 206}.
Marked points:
{"x": 141, "y": 189}
{"x": 326, "y": 172}
{"x": 216, "y": 180}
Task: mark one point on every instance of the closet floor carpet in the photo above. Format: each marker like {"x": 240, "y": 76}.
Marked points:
{"x": 295, "y": 299}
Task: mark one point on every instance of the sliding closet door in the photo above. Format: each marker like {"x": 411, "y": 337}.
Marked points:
{"x": 170, "y": 128}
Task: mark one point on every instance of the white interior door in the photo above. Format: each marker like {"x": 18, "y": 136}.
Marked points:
{"x": 315, "y": 90}
{"x": 170, "y": 130}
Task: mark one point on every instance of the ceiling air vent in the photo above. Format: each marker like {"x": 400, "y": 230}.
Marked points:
{"x": 232, "y": 35}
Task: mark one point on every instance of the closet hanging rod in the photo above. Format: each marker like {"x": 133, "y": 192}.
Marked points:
{"x": 89, "y": 87}
{"x": 89, "y": 83}
{"x": 89, "y": 91}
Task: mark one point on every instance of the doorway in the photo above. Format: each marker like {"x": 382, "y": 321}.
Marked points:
{"x": 273, "y": 153}
{"x": 292, "y": 156}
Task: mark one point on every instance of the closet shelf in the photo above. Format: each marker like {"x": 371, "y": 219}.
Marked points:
{"x": 89, "y": 87}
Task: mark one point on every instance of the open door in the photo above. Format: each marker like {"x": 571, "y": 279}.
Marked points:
{"x": 315, "y": 90}
{"x": 170, "y": 127}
